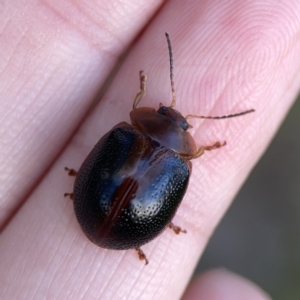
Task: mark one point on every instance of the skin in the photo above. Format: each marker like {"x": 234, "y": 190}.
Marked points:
{"x": 55, "y": 57}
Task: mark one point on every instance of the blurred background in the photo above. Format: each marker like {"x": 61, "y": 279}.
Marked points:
{"x": 259, "y": 237}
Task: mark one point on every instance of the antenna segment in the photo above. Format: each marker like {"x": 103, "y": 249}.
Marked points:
{"x": 171, "y": 71}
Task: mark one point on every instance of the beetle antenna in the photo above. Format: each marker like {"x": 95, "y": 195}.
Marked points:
{"x": 223, "y": 117}
{"x": 171, "y": 71}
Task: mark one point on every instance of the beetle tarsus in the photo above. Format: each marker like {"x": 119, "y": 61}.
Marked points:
{"x": 71, "y": 172}
{"x": 70, "y": 195}
{"x": 201, "y": 150}
{"x": 142, "y": 255}
{"x": 139, "y": 96}
{"x": 176, "y": 229}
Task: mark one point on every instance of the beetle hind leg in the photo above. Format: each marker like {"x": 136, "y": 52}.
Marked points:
{"x": 139, "y": 96}
{"x": 71, "y": 172}
{"x": 70, "y": 195}
{"x": 142, "y": 255}
{"x": 176, "y": 229}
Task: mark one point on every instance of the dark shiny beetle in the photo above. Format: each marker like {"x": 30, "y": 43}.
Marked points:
{"x": 129, "y": 187}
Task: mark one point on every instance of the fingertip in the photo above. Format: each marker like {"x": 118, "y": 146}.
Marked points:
{"x": 222, "y": 284}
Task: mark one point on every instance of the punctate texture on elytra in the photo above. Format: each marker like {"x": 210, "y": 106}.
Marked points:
{"x": 128, "y": 188}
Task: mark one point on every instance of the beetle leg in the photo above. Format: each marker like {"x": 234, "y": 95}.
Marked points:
{"x": 71, "y": 172}
{"x": 176, "y": 229}
{"x": 139, "y": 96}
{"x": 70, "y": 195}
{"x": 142, "y": 255}
{"x": 209, "y": 148}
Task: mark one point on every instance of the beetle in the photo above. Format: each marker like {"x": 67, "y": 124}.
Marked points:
{"x": 129, "y": 187}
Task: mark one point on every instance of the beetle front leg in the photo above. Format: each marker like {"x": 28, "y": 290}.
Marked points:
{"x": 201, "y": 150}
{"x": 176, "y": 229}
{"x": 142, "y": 255}
{"x": 142, "y": 93}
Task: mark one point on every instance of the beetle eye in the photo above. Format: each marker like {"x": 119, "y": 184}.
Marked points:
{"x": 184, "y": 125}
{"x": 162, "y": 110}
{"x": 155, "y": 144}
{"x": 175, "y": 116}
{"x": 166, "y": 111}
